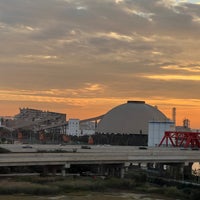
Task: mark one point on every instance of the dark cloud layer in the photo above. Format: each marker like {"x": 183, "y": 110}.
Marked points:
{"x": 118, "y": 45}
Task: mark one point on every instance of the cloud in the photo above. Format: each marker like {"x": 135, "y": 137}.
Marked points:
{"x": 174, "y": 77}
{"x": 81, "y": 8}
{"x": 99, "y": 49}
{"x": 182, "y": 68}
{"x": 58, "y": 95}
{"x": 117, "y": 36}
{"x": 119, "y": 1}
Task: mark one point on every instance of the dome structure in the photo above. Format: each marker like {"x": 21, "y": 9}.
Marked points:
{"x": 130, "y": 118}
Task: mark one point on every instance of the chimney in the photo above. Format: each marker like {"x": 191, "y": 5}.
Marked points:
{"x": 174, "y": 115}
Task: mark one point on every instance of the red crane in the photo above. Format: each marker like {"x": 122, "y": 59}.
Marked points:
{"x": 181, "y": 139}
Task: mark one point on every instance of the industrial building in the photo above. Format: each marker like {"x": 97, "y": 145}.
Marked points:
{"x": 130, "y": 118}
{"x": 73, "y": 127}
{"x": 134, "y": 123}
{"x": 127, "y": 124}
{"x": 30, "y": 114}
{"x": 156, "y": 131}
{"x": 36, "y": 119}
{"x": 77, "y": 128}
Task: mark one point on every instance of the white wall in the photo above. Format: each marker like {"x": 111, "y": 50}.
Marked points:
{"x": 156, "y": 131}
{"x": 73, "y": 127}
{"x": 87, "y": 132}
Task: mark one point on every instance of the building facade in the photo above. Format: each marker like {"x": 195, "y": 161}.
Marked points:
{"x": 74, "y": 127}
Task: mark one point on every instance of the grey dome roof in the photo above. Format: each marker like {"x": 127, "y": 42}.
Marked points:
{"x": 130, "y": 118}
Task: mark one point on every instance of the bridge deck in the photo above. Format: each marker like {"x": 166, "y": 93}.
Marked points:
{"x": 29, "y": 155}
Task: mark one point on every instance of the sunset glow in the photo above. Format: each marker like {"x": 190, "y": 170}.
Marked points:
{"x": 83, "y": 58}
{"x": 175, "y": 77}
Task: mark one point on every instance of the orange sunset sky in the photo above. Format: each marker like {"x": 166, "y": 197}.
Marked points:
{"x": 84, "y": 57}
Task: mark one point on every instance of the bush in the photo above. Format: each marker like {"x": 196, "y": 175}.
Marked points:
{"x": 31, "y": 189}
{"x": 172, "y": 192}
{"x": 156, "y": 190}
{"x": 139, "y": 177}
{"x": 195, "y": 195}
{"x": 3, "y": 150}
{"x": 120, "y": 183}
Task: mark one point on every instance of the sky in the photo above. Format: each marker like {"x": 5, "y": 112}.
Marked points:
{"x": 84, "y": 57}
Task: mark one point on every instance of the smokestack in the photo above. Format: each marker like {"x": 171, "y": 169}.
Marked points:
{"x": 186, "y": 123}
{"x": 174, "y": 115}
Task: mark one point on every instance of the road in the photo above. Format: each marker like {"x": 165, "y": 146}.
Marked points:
{"x": 22, "y": 155}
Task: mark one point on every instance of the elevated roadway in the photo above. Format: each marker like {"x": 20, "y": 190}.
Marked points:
{"x": 75, "y": 154}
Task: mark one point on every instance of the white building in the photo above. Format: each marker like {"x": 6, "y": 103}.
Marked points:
{"x": 87, "y": 128}
{"x": 157, "y": 130}
{"x": 73, "y": 127}
{"x": 87, "y": 132}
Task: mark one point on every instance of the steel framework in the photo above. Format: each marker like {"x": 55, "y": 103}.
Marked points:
{"x": 181, "y": 139}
